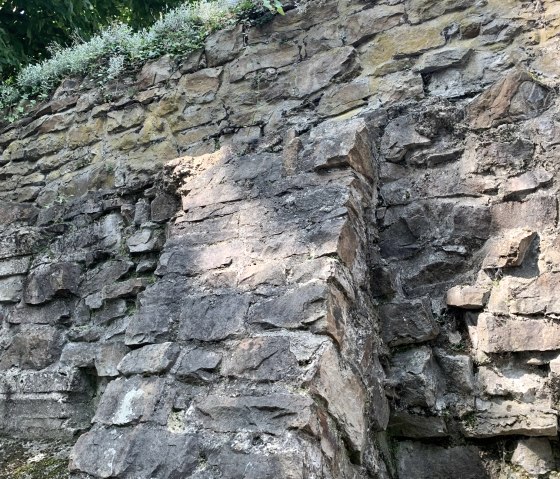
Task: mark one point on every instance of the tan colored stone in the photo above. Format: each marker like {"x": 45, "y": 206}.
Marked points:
{"x": 526, "y": 183}
{"x": 262, "y": 56}
{"x": 467, "y": 297}
{"x": 339, "y": 387}
{"x": 537, "y": 213}
{"x": 509, "y": 249}
{"x": 201, "y": 86}
{"x": 362, "y": 25}
{"x": 493, "y": 334}
{"x": 515, "y": 97}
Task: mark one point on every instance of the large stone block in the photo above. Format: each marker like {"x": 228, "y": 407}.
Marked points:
{"x": 262, "y": 359}
{"x": 141, "y": 453}
{"x": 502, "y": 417}
{"x": 422, "y": 461}
{"x": 273, "y": 413}
{"x": 47, "y": 281}
{"x": 495, "y": 334}
{"x": 151, "y": 359}
{"x": 213, "y": 317}
{"x": 407, "y": 322}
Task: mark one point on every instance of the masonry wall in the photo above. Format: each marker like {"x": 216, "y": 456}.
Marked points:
{"x": 324, "y": 247}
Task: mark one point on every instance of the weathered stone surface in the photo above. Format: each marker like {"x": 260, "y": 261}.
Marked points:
{"x": 303, "y": 306}
{"x": 343, "y": 143}
{"x": 11, "y": 289}
{"x": 441, "y": 59}
{"x": 271, "y": 413}
{"x": 363, "y": 25}
{"x": 426, "y": 462}
{"x": 467, "y": 297}
{"x": 137, "y": 399}
{"x": 526, "y": 183}
{"x": 515, "y": 97}
{"x": 493, "y": 334}
{"x": 32, "y": 347}
{"x": 14, "y": 266}
{"x": 212, "y": 318}
{"x": 534, "y": 455}
{"x": 151, "y": 359}
{"x": 197, "y": 364}
{"x": 337, "y": 385}
{"x": 414, "y": 426}
{"x": 407, "y": 322}
{"x": 505, "y": 418}
{"x": 414, "y": 374}
{"x": 141, "y": 452}
{"x": 263, "y": 358}
{"x": 508, "y": 250}
{"x": 401, "y": 136}
{"x": 49, "y": 280}
{"x": 156, "y": 71}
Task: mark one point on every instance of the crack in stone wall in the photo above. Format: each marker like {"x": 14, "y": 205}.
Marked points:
{"x": 324, "y": 247}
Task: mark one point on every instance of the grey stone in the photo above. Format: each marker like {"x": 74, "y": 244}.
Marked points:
{"x": 108, "y": 356}
{"x": 414, "y": 426}
{"x": 55, "y": 312}
{"x": 432, "y": 462}
{"x": 346, "y": 143}
{"x": 145, "y": 241}
{"x": 137, "y": 399}
{"x": 151, "y": 359}
{"x": 262, "y": 359}
{"x": 141, "y": 453}
{"x": 467, "y": 297}
{"x": 32, "y": 347}
{"x": 400, "y": 136}
{"x": 415, "y": 375}
{"x": 197, "y": 364}
{"x": 407, "y": 322}
{"x": 271, "y": 413}
{"x": 14, "y": 266}
{"x": 163, "y": 207}
{"x": 502, "y": 417}
{"x": 213, "y": 317}
{"x": 47, "y": 281}
{"x": 298, "y": 307}
{"x": 11, "y": 289}
{"x": 442, "y": 59}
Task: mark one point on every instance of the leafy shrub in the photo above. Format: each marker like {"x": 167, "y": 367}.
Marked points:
{"x": 118, "y": 49}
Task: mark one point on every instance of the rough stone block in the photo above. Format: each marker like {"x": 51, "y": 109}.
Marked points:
{"x": 151, "y": 359}
{"x": 212, "y": 317}
{"x": 14, "y": 266}
{"x": 415, "y": 374}
{"x": 137, "y": 399}
{"x": 407, "y": 322}
{"x": 11, "y": 289}
{"x": 141, "y": 453}
{"x": 509, "y": 249}
{"x": 467, "y": 297}
{"x": 506, "y": 418}
{"x": 534, "y": 455}
{"x": 343, "y": 144}
{"x": 47, "y": 281}
{"x": 494, "y": 334}
{"x": 272, "y": 413}
{"x": 422, "y": 461}
{"x": 339, "y": 386}
{"x": 32, "y": 347}
{"x": 262, "y": 359}
{"x": 414, "y": 426}
{"x": 302, "y": 306}
{"x": 197, "y": 364}
{"x": 441, "y": 59}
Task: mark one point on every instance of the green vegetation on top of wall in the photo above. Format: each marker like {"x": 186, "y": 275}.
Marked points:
{"x": 118, "y": 48}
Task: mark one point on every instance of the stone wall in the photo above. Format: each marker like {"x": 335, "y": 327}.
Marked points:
{"x": 323, "y": 247}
